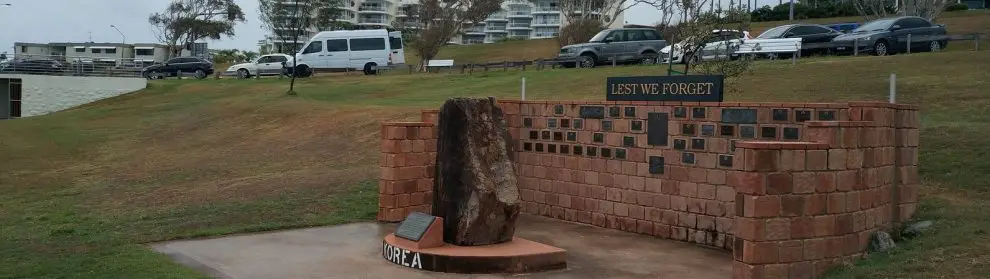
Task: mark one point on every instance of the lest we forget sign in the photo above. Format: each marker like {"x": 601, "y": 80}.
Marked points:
{"x": 700, "y": 88}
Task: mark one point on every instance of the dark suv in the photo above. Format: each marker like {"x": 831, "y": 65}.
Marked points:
{"x": 193, "y": 66}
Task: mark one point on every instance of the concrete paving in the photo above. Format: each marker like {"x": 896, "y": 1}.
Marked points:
{"x": 354, "y": 251}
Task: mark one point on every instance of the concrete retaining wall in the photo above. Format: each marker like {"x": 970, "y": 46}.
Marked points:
{"x": 46, "y": 94}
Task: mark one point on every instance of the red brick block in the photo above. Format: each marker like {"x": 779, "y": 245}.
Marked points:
{"x": 637, "y": 212}
{"x": 815, "y": 204}
{"x": 778, "y": 229}
{"x": 747, "y": 182}
{"x": 817, "y": 160}
{"x": 760, "y": 252}
{"x": 661, "y": 201}
{"x": 792, "y": 205}
{"x": 843, "y": 224}
{"x": 836, "y": 203}
{"x": 742, "y": 270}
{"x": 802, "y": 227}
{"x": 688, "y": 220}
{"x": 852, "y": 201}
{"x": 725, "y": 193}
{"x": 814, "y": 249}
{"x": 716, "y": 177}
{"x": 761, "y": 206}
{"x": 678, "y": 203}
{"x": 791, "y": 251}
{"x": 750, "y": 228}
{"x": 386, "y": 201}
{"x": 825, "y": 182}
{"x": 779, "y": 183}
{"x": 847, "y": 180}
{"x": 802, "y": 270}
{"x": 706, "y": 191}
{"x": 825, "y": 225}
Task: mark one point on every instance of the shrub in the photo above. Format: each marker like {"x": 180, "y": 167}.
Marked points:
{"x": 956, "y": 7}
{"x": 579, "y": 31}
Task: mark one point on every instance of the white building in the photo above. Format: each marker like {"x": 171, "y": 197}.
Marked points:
{"x": 523, "y": 19}
{"x": 365, "y": 14}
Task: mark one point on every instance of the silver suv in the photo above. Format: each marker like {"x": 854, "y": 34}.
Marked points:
{"x": 638, "y": 45}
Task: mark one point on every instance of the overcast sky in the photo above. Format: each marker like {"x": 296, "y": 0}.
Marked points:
{"x": 43, "y": 21}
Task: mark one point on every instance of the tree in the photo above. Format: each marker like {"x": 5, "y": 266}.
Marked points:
{"x": 286, "y": 22}
{"x": 247, "y": 55}
{"x": 698, "y": 30}
{"x": 605, "y": 11}
{"x": 579, "y": 31}
{"x": 928, "y": 9}
{"x": 438, "y": 21}
{"x": 186, "y": 21}
{"x": 874, "y": 9}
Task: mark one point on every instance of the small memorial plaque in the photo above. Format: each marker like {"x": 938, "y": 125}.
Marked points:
{"x": 687, "y": 158}
{"x": 620, "y": 153}
{"x": 791, "y": 133}
{"x": 606, "y": 152}
{"x": 565, "y": 123}
{"x": 780, "y": 115}
{"x": 558, "y": 136}
{"x": 656, "y": 129}
{"x": 527, "y": 122}
{"x": 698, "y": 144}
{"x": 565, "y": 149}
{"x": 607, "y": 125}
{"x": 728, "y": 131}
{"x": 637, "y": 125}
{"x": 539, "y": 147}
{"x": 656, "y": 165}
{"x": 577, "y": 150}
{"x": 707, "y": 130}
{"x": 630, "y": 111}
{"x": 552, "y": 148}
{"x": 551, "y": 123}
{"x": 696, "y": 88}
{"x": 578, "y": 124}
{"x": 826, "y": 115}
{"x": 802, "y": 115}
{"x": 698, "y": 113}
{"x": 558, "y": 109}
{"x": 598, "y": 137}
{"x": 592, "y": 151}
{"x": 628, "y": 141}
{"x": 613, "y": 112}
{"x": 414, "y": 226}
{"x": 725, "y": 161}
{"x": 534, "y": 135}
{"x": 680, "y": 144}
{"x": 527, "y": 146}
{"x": 747, "y": 132}
{"x": 768, "y": 132}
{"x": 545, "y": 135}
{"x": 739, "y": 116}
{"x": 571, "y": 136}
{"x": 680, "y": 112}
{"x": 593, "y": 112}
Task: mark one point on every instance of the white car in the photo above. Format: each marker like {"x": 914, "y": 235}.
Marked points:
{"x": 266, "y": 65}
{"x": 716, "y": 47}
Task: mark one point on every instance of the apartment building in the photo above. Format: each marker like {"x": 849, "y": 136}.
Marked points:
{"x": 116, "y": 53}
{"x": 364, "y": 14}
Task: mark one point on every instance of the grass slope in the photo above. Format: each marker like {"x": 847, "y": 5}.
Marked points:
{"x": 958, "y": 22}
{"x": 84, "y": 189}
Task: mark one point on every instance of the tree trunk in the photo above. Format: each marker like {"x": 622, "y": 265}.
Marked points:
{"x": 475, "y": 190}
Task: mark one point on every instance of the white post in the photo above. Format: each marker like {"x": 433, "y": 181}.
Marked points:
{"x": 893, "y": 87}
{"x": 523, "y": 90}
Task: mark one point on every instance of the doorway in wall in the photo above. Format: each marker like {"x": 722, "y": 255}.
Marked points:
{"x": 10, "y": 98}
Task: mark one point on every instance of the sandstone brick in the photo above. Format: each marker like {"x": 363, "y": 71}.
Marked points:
{"x": 760, "y": 252}
{"x": 815, "y": 204}
{"x": 725, "y": 193}
{"x": 825, "y": 182}
{"x": 761, "y": 206}
{"x": 802, "y": 227}
{"x": 688, "y": 189}
{"x": 792, "y": 205}
{"x": 747, "y": 182}
{"x": 814, "y": 249}
{"x": 706, "y": 191}
{"x": 836, "y": 159}
{"x": 836, "y": 203}
{"x": 804, "y": 182}
{"x": 817, "y": 160}
{"x": 791, "y": 251}
{"x": 716, "y": 177}
{"x": 802, "y": 270}
{"x": 750, "y": 228}
{"x": 778, "y": 229}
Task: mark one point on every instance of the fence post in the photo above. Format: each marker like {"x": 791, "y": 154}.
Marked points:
{"x": 471, "y": 69}
{"x": 178, "y": 74}
{"x": 795, "y": 55}
{"x": 909, "y": 43}
{"x": 505, "y": 65}
{"x": 523, "y": 89}
{"x": 539, "y": 64}
{"x": 977, "y": 40}
{"x": 463, "y": 67}
{"x": 893, "y": 88}
{"x": 486, "y": 67}
{"x": 855, "y": 47}
{"x": 613, "y": 61}
{"x": 410, "y": 68}
{"x": 524, "y": 65}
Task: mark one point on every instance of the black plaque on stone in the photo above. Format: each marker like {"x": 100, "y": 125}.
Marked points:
{"x": 708, "y": 130}
{"x": 727, "y": 130}
{"x": 768, "y": 132}
{"x": 826, "y": 115}
{"x": 558, "y": 136}
{"x": 534, "y": 135}
{"x": 628, "y": 141}
{"x": 687, "y": 158}
{"x": 680, "y": 112}
{"x": 698, "y": 144}
{"x": 528, "y": 122}
{"x": 606, "y": 152}
{"x": 680, "y": 144}
{"x": 565, "y": 123}
{"x": 791, "y": 133}
{"x": 558, "y": 109}
{"x": 577, "y": 150}
{"x": 613, "y": 112}
{"x": 698, "y": 113}
{"x": 539, "y": 147}
{"x": 725, "y": 161}
{"x": 656, "y": 165}
{"x": 688, "y": 129}
{"x": 414, "y": 226}
{"x": 802, "y": 115}
{"x": 630, "y": 111}
{"x": 620, "y": 153}
{"x": 527, "y": 146}
{"x": 579, "y": 124}
{"x": 571, "y": 136}
{"x": 780, "y": 115}
{"x": 564, "y": 149}
{"x": 637, "y": 125}
{"x": 607, "y": 125}
{"x": 552, "y": 148}
{"x": 545, "y": 135}
{"x": 656, "y": 129}
{"x": 696, "y": 88}
{"x": 552, "y": 123}
{"x": 593, "y": 112}
{"x": 591, "y": 151}
{"x": 598, "y": 137}
{"x": 739, "y": 116}
{"x": 747, "y": 132}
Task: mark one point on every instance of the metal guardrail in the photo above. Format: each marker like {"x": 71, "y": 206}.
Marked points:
{"x": 73, "y": 66}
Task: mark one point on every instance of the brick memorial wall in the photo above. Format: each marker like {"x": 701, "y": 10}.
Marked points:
{"x": 790, "y": 188}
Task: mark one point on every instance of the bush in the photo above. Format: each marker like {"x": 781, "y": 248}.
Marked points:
{"x": 579, "y": 31}
{"x": 957, "y": 7}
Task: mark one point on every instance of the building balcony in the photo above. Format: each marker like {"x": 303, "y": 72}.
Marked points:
{"x": 519, "y": 27}
{"x": 475, "y": 32}
{"x": 520, "y": 15}
{"x": 497, "y": 18}
{"x": 372, "y": 10}
{"x": 544, "y": 35}
{"x": 546, "y": 23}
{"x": 546, "y": 10}
{"x": 496, "y": 30}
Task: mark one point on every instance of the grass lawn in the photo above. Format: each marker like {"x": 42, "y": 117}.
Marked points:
{"x": 83, "y": 190}
{"x": 957, "y": 22}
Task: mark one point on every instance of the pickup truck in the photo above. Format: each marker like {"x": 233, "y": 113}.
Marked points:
{"x": 625, "y": 45}
{"x": 266, "y": 65}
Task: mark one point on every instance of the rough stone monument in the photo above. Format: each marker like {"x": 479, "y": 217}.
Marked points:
{"x": 475, "y": 189}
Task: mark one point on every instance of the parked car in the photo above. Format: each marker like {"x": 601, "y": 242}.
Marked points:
{"x": 625, "y": 45}
{"x": 845, "y": 27}
{"x": 367, "y": 50}
{"x": 266, "y": 65}
{"x": 197, "y": 67}
{"x": 717, "y": 46}
{"x": 33, "y": 66}
{"x": 890, "y": 35}
{"x": 813, "y": 36}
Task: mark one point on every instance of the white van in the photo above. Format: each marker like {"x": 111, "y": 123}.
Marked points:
{"x": 367, "y": 50}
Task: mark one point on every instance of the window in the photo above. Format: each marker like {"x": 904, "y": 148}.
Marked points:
{"x": 367, "y": 44}
{"x": 808, "y": 30}
{"x": 95, "y": 50}
{"x": 337, "y": 45}
{"x": 616, "y": 36}
{"x": 145, "y": 52}
{"x": 15, "y": 98}
{"x": 174, "y": 60}
{"x": 80, "y": 49}
{"x": 314, "y": 47}
{"x": 24, "y": 49}
{"x": 395, "y": 43}
{"x": 651, "y": 35}
{"x": 110, "y": 50}
{"x": 634, "y": 35}
{"x": 913, "y": 23}
{"x": 265, "y": 59}
{"x": 278, "y": 59}
{"x": 775, "y": 32}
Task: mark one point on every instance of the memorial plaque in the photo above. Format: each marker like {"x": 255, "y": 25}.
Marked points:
{"x": 579, "y": 124}
{"x": 528, "y": 122}
{"x": 558, "y": 109}
{"x": 688, "y": 129}
{"x": 606, "y": 152}
{"x": 577, "y": 150}
{"x": 680, "y": 144}
{"x": 592, "y": 151}
{"x": 534, "y": 135}
{"x": 747, "y": 132}
{"x": 552, "y": 148}
{"x": 565, "y": 149}
{"x": 613, "y": 112}
{"x": 687, "y": 158}
{"x": 739, "y": 116}
{"x": 637, "y": 125}
{"x": 558, "y": 136}
{"x": 628, "y": 141}
{"x": 527, "y": 146}
{"x": 698, "y": 113}
{"x": 607, "y": 125}
{"x": 598, "y": 137}
{"x": 539, "y": 147}
{"x": 546, "y": 135}
{"x": 698, "y": 144}
{"x": 826, "y": 115}
{"x": 696, "y": 88}
{"x": 571, "y": 136}
{"x": 708, "y": 130}
{"x": 565, "y": 123}
{"x": 802, "y": 115}
{"x": 791, "y": 133}
{"x": 656, "y": 129}
{"x": 593, "y": 112}
{"x": 414, "y": 226}
{"x": 630, "y": 111}
{"x": 620, "y": 153}
{"x": 768, "y": 132}
{"x": 780, "y": 115}
{"x": 680, "y": 112}
{"x": 552, "y": 123}
{"x": 725, "y": 161}
{"x": 727, "y": 130}
{"x": 656, "y": 165}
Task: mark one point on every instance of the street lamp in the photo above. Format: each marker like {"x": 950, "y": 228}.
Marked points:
{"x": 123, "y": 39}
